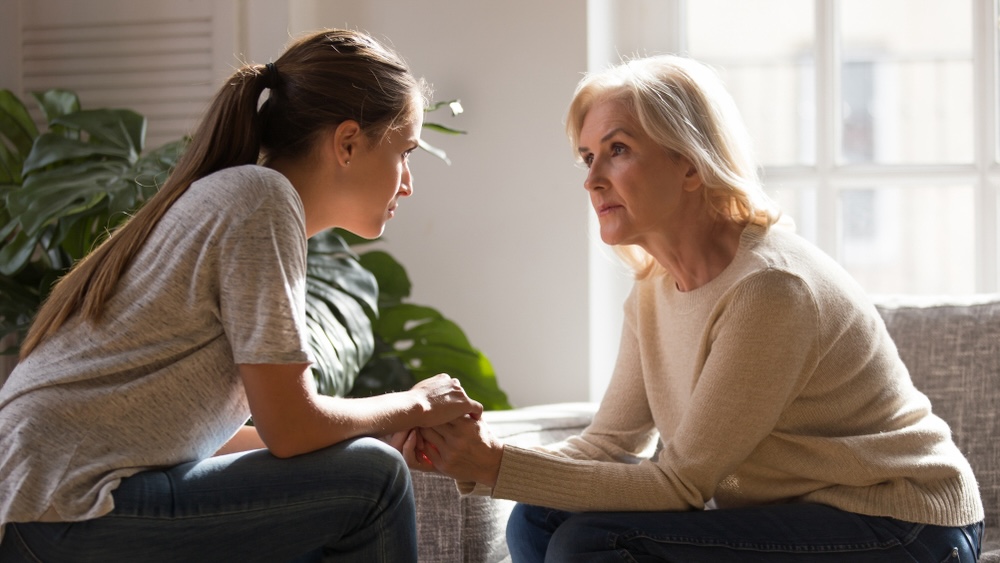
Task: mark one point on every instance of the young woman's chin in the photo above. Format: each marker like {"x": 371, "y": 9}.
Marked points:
{"x": 371, "y": 232}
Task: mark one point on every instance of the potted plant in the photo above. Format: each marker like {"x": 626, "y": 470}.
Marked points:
{"x": 64, "y": 188}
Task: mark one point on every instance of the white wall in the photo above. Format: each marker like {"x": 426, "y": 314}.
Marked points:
{"x": 498, "y": 240}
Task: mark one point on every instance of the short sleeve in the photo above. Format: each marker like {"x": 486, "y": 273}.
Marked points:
{"x": 262, "y": 277}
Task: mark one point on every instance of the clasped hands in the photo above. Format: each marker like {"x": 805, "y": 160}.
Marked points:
{"x": 460, "y": 446}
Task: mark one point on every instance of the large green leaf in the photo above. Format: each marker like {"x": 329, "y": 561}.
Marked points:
{"x": 332, "y": 260}
{"x": 16, "y": 124}
{"x": 384, "y": 373}
{"x": 122, "y": 128}
{"x": 49, "y": 195}
{"x": 152, "y": 168}
{"x": 428, "y": 344}
{"x": 326, "y": 339}
{"x": 393, "y": 283}
{"x": 57, "y": 103}
{"x": 10, "y": 166}
{"x": 353, "y": 327}
{"x": 16, "y": 252}
{"x": 80, "y": 178}
{"x": 340, "y": 295}
{"x": 19, "y": 299}
{"x": 51, "y": 149}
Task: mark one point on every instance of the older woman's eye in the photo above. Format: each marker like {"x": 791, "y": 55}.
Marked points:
{"x": 617, "y": 149}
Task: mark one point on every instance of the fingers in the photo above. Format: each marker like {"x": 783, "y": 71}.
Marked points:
{"x": 463, "y": 449}
{"x": 444, "y": 399}
{"x": 434, "y": 443}
{"x": 413, "y": 453}
{"x": 431, "y": 437}
{"x": 477, "y": 410}
{"x": 397, "y": 439}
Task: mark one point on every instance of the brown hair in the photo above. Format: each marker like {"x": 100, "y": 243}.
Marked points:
{"x": 320, "y": 80}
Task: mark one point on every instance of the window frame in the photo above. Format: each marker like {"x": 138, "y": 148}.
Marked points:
{"x": 830, "y": 177}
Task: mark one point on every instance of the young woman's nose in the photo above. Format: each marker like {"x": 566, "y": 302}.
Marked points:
{"x": 406, "y": 183}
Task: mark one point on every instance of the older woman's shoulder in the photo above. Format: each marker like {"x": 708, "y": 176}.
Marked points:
{"x": 788, "y": 253}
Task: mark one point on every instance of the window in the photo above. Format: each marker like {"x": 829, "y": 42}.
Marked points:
{"x": 876, "y": 125}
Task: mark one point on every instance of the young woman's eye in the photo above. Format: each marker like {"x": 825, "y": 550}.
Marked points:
{"x": 588, "y": 160}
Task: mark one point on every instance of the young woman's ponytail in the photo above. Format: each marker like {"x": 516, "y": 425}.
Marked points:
{"x": 229, "y": 135}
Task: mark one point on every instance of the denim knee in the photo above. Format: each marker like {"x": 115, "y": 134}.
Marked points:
{"x": 529, "y": 530}
{"x": 384, "y": 463}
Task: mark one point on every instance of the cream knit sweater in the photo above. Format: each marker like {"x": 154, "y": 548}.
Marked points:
{"x": 775, "y": 382}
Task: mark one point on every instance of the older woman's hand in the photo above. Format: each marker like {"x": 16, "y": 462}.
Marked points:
{"x": 464, "y": 449}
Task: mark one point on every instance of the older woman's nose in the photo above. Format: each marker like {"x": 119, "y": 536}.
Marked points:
{"x": 594, "y": 180}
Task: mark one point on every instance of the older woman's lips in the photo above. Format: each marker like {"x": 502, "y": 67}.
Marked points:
{"x": 606, "y": 208}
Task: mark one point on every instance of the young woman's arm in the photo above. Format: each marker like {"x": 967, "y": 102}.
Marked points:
{"x": 245, "y": 439}
{"x": 292, "y": 418}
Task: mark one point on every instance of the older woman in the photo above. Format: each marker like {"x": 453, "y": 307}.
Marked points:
{"x": 776, "y": 392}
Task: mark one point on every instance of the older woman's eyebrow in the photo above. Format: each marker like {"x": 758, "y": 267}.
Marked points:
{"x": 604, "y": 139}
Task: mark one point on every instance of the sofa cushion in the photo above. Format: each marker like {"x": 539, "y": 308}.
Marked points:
{"x": 952, "y": 350}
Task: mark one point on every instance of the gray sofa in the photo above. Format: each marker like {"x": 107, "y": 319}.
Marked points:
{"x": 951, "y": 346}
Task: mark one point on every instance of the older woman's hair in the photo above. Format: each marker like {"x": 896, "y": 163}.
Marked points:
{"x": 683, "y": 105}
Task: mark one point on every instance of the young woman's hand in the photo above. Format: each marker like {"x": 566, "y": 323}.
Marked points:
{"x": 441, "y": 399}
{"x": 464, "y": 449}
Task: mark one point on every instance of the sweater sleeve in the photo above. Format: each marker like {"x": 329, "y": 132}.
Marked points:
{"x": 759, "y": 348}
{"x": 623, "y": 425}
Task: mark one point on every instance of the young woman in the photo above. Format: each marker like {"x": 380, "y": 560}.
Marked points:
{"x": 118, "y": 426}
{"x": 765, "y": 371}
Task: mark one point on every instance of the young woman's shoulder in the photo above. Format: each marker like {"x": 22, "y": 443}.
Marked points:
{"x": 245, "y": 189}
{"x": 249, "y": 181}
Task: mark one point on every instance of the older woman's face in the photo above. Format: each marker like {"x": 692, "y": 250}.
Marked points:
{"x": 639, "y": 190}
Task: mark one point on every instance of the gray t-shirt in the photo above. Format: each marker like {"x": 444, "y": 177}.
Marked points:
{"x": 220, "y": 282}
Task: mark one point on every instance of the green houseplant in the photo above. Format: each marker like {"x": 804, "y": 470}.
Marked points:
{"x": 65, "y": 188}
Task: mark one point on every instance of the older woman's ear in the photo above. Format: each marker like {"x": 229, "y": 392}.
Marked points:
{"x": 692, "y": 178}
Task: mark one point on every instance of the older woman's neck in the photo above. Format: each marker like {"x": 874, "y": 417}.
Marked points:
{"x": 701, "y": 254}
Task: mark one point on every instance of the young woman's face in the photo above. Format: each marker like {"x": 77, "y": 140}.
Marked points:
{"x": 636, "y": 186}
{"x": 383, "y": 172}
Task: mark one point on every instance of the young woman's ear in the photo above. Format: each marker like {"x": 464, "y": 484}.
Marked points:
{"x": 346, "y": 139}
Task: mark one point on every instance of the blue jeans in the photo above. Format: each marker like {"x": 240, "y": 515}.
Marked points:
{"x": 349, "y": 502}
{"x": 788, "y": 533}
